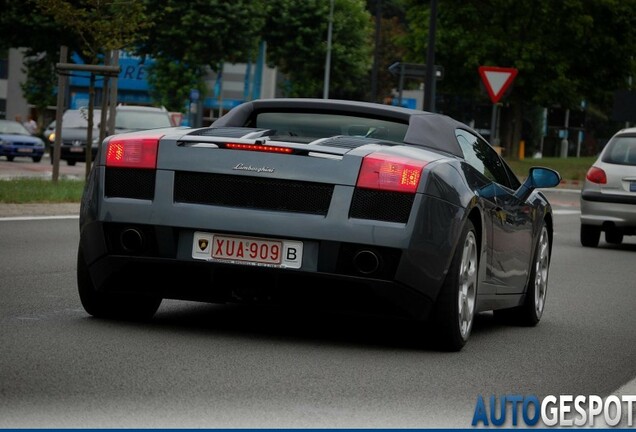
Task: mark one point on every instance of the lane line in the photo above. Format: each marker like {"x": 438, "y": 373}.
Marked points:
{"x": 566, "y": 212}
{"x": 35, "y": 218}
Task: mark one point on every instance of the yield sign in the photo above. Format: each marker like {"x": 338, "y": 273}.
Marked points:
{"x": 497, "y": 80}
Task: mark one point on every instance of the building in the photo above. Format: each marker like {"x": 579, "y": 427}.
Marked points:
{"x": 12, "y": 103}
{"x": 233, "y": 85}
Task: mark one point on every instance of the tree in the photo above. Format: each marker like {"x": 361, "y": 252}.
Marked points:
{"x": 565, "y": 51}
{"x": 23, "y": 25}
{"x": 390, "y": 30}
{"x": 296, "y": 36}
{"x": 170, "y": 82}
{"x": 390, "y": 52}
{"x": 189, "y": 37}
{"x": 97, "y": 26}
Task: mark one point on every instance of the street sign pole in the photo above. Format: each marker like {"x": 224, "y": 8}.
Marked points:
{"x": 497, "y": 80}
{"x": 494, "y": 135}
{"x": 401, "y": 86}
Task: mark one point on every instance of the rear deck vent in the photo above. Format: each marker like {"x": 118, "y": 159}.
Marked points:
{"x": 252, "y": 192}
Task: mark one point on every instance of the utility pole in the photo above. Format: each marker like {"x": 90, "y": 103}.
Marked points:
{"x": 325, "y": 92}
{"x": 429, "y": 86}
{"x": 377, "y": 52}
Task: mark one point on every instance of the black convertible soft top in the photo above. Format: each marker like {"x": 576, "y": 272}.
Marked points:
{"x": 436, "y": 131}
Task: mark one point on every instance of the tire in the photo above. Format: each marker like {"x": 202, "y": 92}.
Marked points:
{"x": 71, "y": 162}
{"x": 133, "y": 307}
{"x": 10, "y": 158}
{"x": 37, "y": 159}
{"x": 590, "y": 235}
{"x": 530, "y": 312}
{"x": 454, "y": 311}
{"x": 613, "y": 236}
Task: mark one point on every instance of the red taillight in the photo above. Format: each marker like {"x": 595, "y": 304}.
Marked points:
{"x": 133, "y": 151}
{"x": 596, "y": 175}
{"x": 261, "y": 148}
{"x": 390, "y": 172}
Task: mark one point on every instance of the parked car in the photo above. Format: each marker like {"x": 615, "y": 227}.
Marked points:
{"x": 314, "y": 201}
{"x": 16, "y": 141}
{"x": 74, "y": 135}
{"x": 128, "y": 118}
{"x": 608, "y": 197}
{"x": 135, "y": 118}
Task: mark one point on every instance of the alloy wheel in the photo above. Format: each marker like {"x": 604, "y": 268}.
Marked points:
{"x": 467, "y": 285}
{"x": 541, "y": 272}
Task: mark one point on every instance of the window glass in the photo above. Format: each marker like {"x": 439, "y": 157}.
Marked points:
{"x": 139, "y": 120}
{"x": 79, "y": 118}
{"x": 621, "y": 151}
{"x": 481, "y": 156}
{"x": 323, "y": 125}
{"x": 10, "y": 127}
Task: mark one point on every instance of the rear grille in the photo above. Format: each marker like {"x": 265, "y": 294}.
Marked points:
{"x": 381, "y": 205}
{"x": 252, "y": 192}
{"x": 130, "y": 183}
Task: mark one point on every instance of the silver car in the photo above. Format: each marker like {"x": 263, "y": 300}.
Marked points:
{"x": 608, "y": 198}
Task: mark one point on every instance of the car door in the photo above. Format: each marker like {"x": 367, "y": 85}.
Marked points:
{"x": 509, "y": 219}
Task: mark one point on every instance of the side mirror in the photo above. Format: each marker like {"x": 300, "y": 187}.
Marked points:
{"x": 538, "y": 177}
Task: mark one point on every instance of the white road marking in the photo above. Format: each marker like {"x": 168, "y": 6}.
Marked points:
{"x": 34, "y": 218}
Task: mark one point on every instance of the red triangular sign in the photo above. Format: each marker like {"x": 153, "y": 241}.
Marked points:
{"x": 497, "y": 80}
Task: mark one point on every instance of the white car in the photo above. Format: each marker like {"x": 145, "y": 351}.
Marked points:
{"x": 608, "y": 198}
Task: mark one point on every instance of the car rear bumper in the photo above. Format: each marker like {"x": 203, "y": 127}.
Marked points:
{"x": 75, "y": 153}
{"x": 599, "y": 209}
{"x": 163, "y": 265}
{"x": 17, "y": 152}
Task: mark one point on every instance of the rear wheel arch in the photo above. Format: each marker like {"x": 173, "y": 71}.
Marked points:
{"x": 476, "y": 218}
{"x": 550, "y": 226}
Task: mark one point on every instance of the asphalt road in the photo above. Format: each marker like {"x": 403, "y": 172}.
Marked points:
{"x": 199, "y": 365}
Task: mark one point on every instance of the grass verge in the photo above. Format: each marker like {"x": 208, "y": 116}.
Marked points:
{"x": 569, "y": 168}
{"x": 33, "y": 190}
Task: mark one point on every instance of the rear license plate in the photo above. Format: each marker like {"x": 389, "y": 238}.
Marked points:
{"x": 632, "y": 186}
{"x": 25, "y": 150}
{"x": 247, "y": 250}
{"x": 76, "y": 150}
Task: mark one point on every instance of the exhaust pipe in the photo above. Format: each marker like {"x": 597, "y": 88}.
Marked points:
{"x": 366, "y": 261}
{"x": 132, "y": 240}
